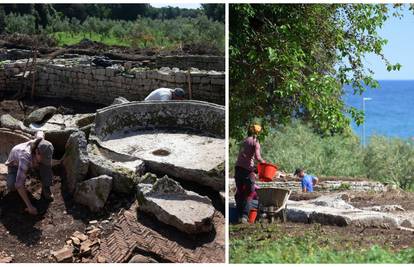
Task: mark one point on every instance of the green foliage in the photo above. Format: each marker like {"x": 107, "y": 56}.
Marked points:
{"x": 2, "y": 20}
{"x": 127, "y": 12}
{"x": 140, "y": 33}
{"x": 214, "y": 11}
{"x": 20, "y": 23}
{"x": 311, "y": 247}
{"x": 391, "y": 160}
{"x": 292, "y": 60}
{"x": 298, "y": 145}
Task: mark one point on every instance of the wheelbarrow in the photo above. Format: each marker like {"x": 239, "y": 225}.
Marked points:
{"x": 273, "y": 202}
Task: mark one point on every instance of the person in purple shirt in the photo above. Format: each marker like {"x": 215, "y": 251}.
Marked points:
{"x": 244, "y": 173}
{"x": 34, "y": 154}
{"x": 308, "y": 181}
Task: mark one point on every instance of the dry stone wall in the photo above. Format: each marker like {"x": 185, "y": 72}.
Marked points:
{"x": 79, "y": 80}
{"x": 185, "y": 62}
{"x": 324, "y": 186}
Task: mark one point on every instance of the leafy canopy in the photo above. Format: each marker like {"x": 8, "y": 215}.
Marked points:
{"x": 292, "y": 60}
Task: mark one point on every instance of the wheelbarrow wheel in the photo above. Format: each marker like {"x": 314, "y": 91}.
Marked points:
{"x": 283, "y": 215}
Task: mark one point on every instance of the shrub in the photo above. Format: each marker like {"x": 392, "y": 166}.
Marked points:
{"x": 391, "y": 160}
{"x": 20, "y": 24}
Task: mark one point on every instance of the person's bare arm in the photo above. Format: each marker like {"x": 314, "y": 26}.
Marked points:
{"x": 23, "y": 194}
{"x": 20, "y": 179}
{"x": 304, "y": 190}
{"x": 257, "y": 154}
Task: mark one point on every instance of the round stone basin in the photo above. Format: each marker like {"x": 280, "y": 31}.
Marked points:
{"x": 178, "y": 149}
{"x": 8, "y": 139}
{"x": 183, "y": 139}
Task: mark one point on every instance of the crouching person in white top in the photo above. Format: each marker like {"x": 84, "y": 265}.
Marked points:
{"x": 166, "y": 94}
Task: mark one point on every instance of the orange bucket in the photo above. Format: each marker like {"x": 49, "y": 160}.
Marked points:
{"x": 252, "y": 215}
{"x": 266, "y": 171}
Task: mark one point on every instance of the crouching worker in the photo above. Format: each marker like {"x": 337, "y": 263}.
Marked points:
{"x": 244, "y": 173}
{"x": 308, "y": 181}
{"x": 35, "y": 154}
{"x": 166, "y": 94}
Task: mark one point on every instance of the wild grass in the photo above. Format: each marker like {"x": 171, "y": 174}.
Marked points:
{"x": 275, "y": 246}
{"x": 139, "y": 33}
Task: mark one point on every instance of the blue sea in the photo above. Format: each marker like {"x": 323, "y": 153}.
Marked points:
{"x": 390, "y": 111}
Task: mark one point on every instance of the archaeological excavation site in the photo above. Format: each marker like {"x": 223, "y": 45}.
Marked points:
{"x": 134, "y": 181}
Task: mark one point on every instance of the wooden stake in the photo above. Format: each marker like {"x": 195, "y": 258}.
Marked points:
{"x": 190, "y": 93}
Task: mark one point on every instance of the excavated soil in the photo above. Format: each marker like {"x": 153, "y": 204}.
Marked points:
{"x": 28, "y": 238}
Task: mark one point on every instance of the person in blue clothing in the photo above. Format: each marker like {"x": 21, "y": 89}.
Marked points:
{"x": 308, "y": 181}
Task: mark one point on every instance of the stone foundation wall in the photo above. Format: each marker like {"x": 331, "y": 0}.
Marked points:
{"x": 323, "y": 186}
{"x": 202, "y": 117}
{"x": 185, "y": 62}
{"x": 81, "y": 81}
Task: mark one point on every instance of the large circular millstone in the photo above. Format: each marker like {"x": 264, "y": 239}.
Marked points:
{"x": 183, "y": 139}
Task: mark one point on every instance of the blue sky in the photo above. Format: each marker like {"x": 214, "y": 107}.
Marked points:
{"x": 400, "y": 36}
{"x": 173, "y": 4}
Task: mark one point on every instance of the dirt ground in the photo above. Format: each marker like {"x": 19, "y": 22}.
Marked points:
{"x": 352, "y": 236}
{"x": 27, "y": 238}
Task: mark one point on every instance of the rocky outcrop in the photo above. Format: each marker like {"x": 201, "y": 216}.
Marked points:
{"x": 75, "y": 160}
{"x": 124, "y": 171}
{"x": 333, "y": 210}
{"x": 173, "y": 205}
{"x": 142, "y": 259}
{"x": 7, "y": 121}
{"x": 94, "y": 192}
{"x": 40, "y": 114}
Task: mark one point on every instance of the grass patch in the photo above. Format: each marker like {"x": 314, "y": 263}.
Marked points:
{"x": 271, "y": 245}
{"x": 67, "y": 38}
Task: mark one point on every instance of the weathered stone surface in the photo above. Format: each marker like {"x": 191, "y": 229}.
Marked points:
{"x": 173, "y": 205}
{"x": 7, "y": 121}
{"x": 319, "y": 211}
{"x": 75, "y": 160}
{"x": 387, "y": 208}
{"x": 40, "y": 114}
{"x": 142, "y": 259}
{"x": 126, "y": 129}
{"x": 93, "y": 192}
{"x": 120, "y": 100}
{"x": 124, "y": 171}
